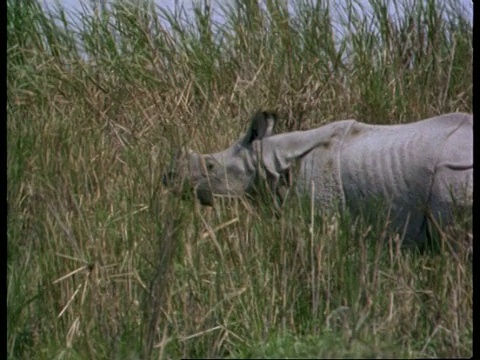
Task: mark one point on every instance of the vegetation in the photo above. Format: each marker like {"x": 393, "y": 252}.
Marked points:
{"x": 103, "y": 262}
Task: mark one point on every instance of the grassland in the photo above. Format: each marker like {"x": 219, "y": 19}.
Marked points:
{"x": 104, "y": 263}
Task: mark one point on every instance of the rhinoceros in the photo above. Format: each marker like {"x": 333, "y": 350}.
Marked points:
{"x": 423, "y": 170}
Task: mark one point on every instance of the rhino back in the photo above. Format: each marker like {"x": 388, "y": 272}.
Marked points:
{"x": 371, "y": 160}
{"x": 399, "y": 161}
{"x": 391, "y": 163}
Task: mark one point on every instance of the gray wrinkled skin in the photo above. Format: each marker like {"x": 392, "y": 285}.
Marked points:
{"x": 418, "y": 169}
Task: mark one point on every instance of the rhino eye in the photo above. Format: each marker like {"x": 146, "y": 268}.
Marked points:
{"x": 209, "y": 164}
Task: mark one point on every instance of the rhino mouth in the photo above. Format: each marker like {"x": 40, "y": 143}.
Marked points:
{"x": 185, "y": 190}
{"x": 202, "y": 190}
{"x": 205, "y": 196}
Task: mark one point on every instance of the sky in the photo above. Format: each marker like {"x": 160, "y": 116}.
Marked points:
{"x": 76, "y": 5}
{"x": 170, "y": 4}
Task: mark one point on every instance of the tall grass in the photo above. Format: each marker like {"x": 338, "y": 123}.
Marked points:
{"x": 103, "y": 262}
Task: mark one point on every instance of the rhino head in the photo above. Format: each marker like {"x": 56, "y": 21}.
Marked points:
{"x": 232, "y": 172}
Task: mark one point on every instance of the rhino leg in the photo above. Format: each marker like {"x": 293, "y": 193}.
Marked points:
{"x": 452, "y": 186}
{"x": 451, "y": 191}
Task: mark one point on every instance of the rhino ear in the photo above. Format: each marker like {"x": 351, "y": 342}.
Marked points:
{"x": 261, "y": 126}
